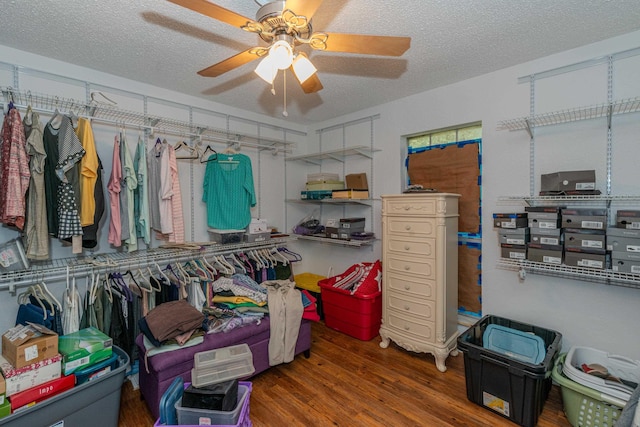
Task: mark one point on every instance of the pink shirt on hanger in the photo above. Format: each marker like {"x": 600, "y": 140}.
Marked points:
{"x": 115, "y": 225}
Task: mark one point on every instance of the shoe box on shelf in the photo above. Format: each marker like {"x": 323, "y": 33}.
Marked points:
{"x": 585, "y": 241}
{"x": 513, "y": 234}
{"x": 546, "y": 235}
{"x": 623, "y": 241}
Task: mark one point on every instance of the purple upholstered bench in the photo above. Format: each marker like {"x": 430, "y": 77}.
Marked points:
{"x": 164, "y": 367}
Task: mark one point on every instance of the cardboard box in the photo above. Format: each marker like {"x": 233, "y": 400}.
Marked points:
{"x": 544, "y": 236}
{"x": 510, "y": 220}
{"x": 324, "y": 185}
{"x": 623, "y": 240}
{"x": 356, "y": 224}
{"x": 514, "y": 236}
{"x": 585, "y": 259}
{"x": 584, "y": 239}
{"x": 625, "y": 265}
{"x": 356, "y": 181}
{"x": 513, "y": 251}
{"x": 350, "y": 194}
{"x": 595, "y": 219}
{"x": 629, "y": 219}
{"x": 550, "y": 254}
{"x": 19, "y": 379}
{"x": 24, "y": 345}
{"x": 5, "y": 408}
{"x": 316, "y": 195}
{"x": 83, "y": 348}
{"x": 331, "y": 232}
{"x": 3, "y": 386}
{"x": 568, "y": 181}
{"x": 257, "y": 225}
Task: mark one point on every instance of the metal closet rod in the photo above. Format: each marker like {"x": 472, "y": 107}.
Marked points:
{"x": 150, "y": 124}
{"x": 104, "y": 263}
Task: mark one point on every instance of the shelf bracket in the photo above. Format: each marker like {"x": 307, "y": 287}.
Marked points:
{"x": 364, "y": 153}
{"x": 528, "y": 128}
{"x": 609, "y": 114}
{"x": 12, "y": 288}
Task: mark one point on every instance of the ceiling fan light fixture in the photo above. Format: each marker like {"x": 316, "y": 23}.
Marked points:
{"x": 266, "y": 69}
{"x": 281, "y": 53}
{"x": 303, "y": 68}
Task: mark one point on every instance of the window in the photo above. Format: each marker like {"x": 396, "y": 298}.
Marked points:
{"x": 449, "y": 160}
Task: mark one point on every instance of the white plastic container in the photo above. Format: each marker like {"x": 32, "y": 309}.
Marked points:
{"x": 222, "y": 364}
{"x": 618, "y": 366}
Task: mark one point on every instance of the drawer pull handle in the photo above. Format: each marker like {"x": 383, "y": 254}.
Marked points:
{"x": 407, "y": 247}
{"x": 406, "y": 327}
{"x": 407, "y": 287}
{"x": 407, "y": 267}
{"x": 407, "y": 207}
{"x": 406, "y": 307}
{"x": 407, "y": 227}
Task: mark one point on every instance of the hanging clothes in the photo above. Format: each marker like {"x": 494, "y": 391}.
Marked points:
{"x": 88, "y": 172}
{"x": 130, "y": 183}
{"x": 166, "y": 191}
{"x": 229, "y": 192}
{"x": 90, "y": 232}
{"x": 153, "y": 169}
{"x": 51, "y": 181}
{"x": 14, "y": 171}
{"x": 36, "y": 234}
{"x": 177, "y": 215}
{"x": 141, "y": 199}
{"x": 70, "y": 152}
{"x": 115, "y": 226}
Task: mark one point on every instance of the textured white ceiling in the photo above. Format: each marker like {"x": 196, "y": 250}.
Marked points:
{"x": 163, "y": 44}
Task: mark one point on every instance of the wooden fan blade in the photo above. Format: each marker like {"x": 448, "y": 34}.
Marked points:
{"x": 214, "y": 11}
{"x": 303, "y": 7}
{"x": 370, "y": 45}
{"x": 229, "y": 64}
{"x": 312, "y": 84}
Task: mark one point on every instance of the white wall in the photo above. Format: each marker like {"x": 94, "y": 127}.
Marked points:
{"x": 585, "y": 313}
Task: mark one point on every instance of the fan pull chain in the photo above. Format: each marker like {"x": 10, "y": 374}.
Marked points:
{"x": 284, "y": 111}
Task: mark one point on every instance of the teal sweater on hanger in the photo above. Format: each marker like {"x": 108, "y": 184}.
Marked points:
{"x": 228, "y": 191}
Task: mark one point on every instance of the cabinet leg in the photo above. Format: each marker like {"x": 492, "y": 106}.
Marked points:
{"x": 384, "y": 343}
{"x": 441, "y": 357}
{"x": 454, "y": 352}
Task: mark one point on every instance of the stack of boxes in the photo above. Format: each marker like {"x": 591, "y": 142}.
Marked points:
{"x": 584, "y": 237}
{"x": 513, "y": 234}
{"x": 321, "y": 186}
{"x": 344, "y": 228}
{"x": 546, "y": 235}
{"x": 215, "y": 396}
{"x": 623, "y": 241}
{"x": 37, "y": 364}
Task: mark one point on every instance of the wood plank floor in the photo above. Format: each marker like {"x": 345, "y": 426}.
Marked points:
{"x": 347, "y": 382}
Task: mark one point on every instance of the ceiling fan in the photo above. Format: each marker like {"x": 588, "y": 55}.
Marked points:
{"x": 283, "y": 25}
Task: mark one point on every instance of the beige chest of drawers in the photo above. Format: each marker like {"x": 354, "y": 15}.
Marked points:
{"x": 420, "y": 273}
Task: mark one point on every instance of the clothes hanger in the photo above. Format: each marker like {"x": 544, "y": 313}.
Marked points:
{"x": 228, "y": 268}
{"x": 212, "y": 158}
{"x": 192, "y": 153}
{"x": 283, "y": 259}
{"x": 296, "y": 257}
{"x": 238, "y": 263}
{"x": 230, "y": 152}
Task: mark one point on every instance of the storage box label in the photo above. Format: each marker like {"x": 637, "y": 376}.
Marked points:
{"x": 516, "y": 255}
{"x": 495, "y": 403}
{"x": 592, "y": 224}
{"x": 593, "y": 244}
{"x": 31, "y": 352}
{"x": 552, "y": 259}
{"x": 583, "y": 185}
{"x": 516, "y": 241}
{"x": 547, "y": 224}
{"x": 549, "y": 241}
{"x": 590, "y": 263}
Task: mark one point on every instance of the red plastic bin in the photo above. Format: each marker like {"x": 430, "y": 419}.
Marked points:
{"x": 358, "y": 316}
